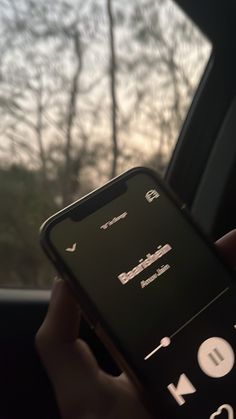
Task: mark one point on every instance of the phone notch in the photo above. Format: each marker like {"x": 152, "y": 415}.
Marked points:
{"x": 100, "y": 199}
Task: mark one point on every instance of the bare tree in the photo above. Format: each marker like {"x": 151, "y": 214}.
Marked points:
{"x": 159, "y": 66}
{"x": 71, "y": 170}
{"x": 112, "y": 75}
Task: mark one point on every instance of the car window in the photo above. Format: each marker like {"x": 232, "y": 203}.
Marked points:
{"x": 88, "y": 89}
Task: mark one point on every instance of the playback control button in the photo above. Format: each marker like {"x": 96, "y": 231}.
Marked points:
{"x": 216, "y": 357}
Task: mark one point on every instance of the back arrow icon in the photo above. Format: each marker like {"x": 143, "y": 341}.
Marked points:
{"x": 72, "y": 248}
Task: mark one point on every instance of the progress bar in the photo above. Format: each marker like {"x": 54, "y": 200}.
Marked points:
{"x": 167, "y": 340}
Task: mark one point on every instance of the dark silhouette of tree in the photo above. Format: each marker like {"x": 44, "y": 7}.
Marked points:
{"x": 159, "y": 65}
{"x": 112, "y": 74}
{"x": 72, "y": 170}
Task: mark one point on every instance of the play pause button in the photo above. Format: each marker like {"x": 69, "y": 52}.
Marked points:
{"x": 216, "y": 357}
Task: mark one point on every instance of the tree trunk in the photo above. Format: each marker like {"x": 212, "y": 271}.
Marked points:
{"x": 112, "y": 74}
{"x": 68, "y": 175}
{"x": 39, "y": 131}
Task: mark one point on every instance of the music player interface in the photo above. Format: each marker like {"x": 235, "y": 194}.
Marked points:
{"x": 162, "y": 294}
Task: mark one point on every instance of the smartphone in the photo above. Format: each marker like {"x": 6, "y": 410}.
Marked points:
{"x": 155, "y": 291}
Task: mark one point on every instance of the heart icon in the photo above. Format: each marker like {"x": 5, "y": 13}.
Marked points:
{"x": 225, "y": 407}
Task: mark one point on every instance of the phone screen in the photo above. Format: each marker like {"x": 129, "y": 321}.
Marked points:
{"x": 162, "y": 295}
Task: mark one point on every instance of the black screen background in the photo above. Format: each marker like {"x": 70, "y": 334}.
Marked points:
{"x": 138, "y": 318}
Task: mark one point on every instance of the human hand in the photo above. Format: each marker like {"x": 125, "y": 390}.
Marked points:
{"x": 82, "y": 389}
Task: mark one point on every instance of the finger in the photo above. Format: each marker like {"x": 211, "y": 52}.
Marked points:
{"x": 69, "y": 362}
{"x": 59, "y": 331}
{"x": 63, "y": 318}
{"x": 227, "y": 246}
